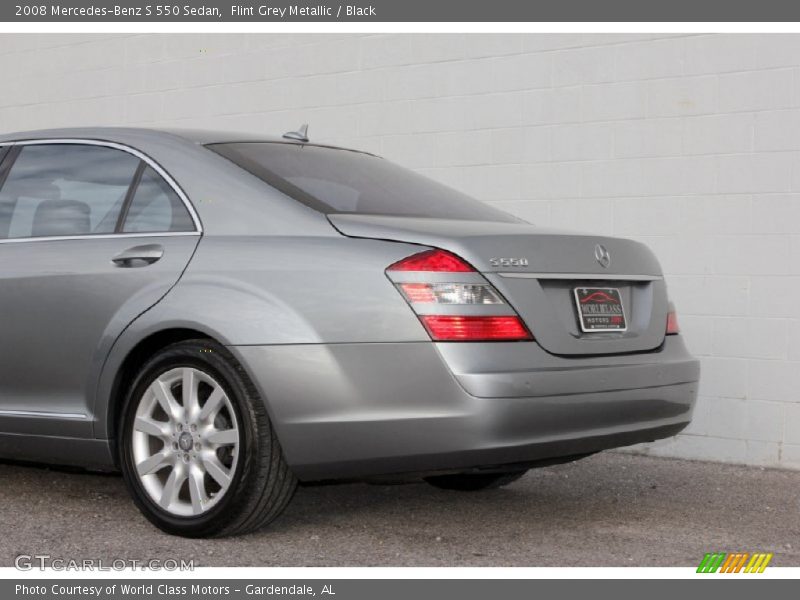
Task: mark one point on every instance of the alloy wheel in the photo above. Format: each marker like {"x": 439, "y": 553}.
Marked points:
{"x": 185, "y": 441}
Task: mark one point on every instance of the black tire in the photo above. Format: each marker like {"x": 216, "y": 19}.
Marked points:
{"x": 261, "y": 485}
{"x": 474, "y": 482}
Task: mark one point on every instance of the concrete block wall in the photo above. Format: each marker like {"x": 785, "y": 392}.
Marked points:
{"x": 690, "y": 143}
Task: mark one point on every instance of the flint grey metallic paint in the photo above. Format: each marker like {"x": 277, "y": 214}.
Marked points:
{"x": 353, "y": 383}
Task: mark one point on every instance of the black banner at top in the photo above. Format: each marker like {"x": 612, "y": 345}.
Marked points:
{"x": 400, "y": 11}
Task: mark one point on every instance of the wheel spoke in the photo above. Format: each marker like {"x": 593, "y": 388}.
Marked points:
{"x": 151, "y": 427}
{"x": 173, "y": 486}
{"x": 217, "y": 471}
{"x": 226, "y": 437}
{"x": 152, "y": 464}
{"x": 191, "y": 404}
{"x": 197, "y": 490}
{"x": 213, "y": 404}
{"x": 167, "y": 401}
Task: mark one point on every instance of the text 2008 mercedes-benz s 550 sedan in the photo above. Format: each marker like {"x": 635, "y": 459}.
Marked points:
{"x": 221, "y": 316}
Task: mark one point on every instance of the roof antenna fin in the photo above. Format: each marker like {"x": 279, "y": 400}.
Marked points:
{"x": 301, "y": 135}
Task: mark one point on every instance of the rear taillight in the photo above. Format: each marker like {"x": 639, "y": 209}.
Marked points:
{"x": 450, "y": 293}
{"x": 453, "y": 301}
{"x": 448, "y": 328}
{"x": 435, "y": 260}
{"x": 672, "y": 322}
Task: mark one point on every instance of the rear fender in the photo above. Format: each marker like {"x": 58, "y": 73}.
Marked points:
{"x": 275, "y": 291}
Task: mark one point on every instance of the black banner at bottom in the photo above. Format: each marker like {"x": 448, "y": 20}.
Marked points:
{"x": 389, "y": 589}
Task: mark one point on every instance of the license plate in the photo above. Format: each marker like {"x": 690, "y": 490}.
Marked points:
{"x": 600, "y": 309}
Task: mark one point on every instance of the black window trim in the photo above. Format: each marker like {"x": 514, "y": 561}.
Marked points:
{"x": 144, "y": 162}
{"x": 132, "y": 188}
{"x": 7, "y": 159}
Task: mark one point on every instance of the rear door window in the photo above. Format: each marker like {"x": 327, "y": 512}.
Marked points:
{"x": 65, "y": 190}
{"x": 342, "y": 181}
{"x": 156, "y": 207}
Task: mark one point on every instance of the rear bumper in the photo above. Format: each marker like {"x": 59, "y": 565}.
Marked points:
{"x": 358, "y": 410}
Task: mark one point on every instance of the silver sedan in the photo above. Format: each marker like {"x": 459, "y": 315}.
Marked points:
{"x": 221, "y": 316}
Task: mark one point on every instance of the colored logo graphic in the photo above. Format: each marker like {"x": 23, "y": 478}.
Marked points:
{"x": 737, "y": 562}
{"x": 599, "y": 297}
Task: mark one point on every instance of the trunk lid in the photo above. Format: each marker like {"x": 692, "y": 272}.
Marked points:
{"x": 538, "y": 269}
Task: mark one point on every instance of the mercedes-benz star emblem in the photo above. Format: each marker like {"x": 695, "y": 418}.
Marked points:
{"x": 186, "y": 441}
{"x": 602, "y": 256}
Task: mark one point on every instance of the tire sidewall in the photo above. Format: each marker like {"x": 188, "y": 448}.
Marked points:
{"x": 210, "y": 359}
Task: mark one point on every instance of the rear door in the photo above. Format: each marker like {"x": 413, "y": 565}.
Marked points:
{"x": 91, "y": 235}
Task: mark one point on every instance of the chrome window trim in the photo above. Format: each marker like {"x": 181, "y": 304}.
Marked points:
{"x": 134, "y": 152}
{"x": 100, "y": 236}
{"x": 592, "y": 276}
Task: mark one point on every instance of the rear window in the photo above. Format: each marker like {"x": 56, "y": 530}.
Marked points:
{"x": 342, "y": 181}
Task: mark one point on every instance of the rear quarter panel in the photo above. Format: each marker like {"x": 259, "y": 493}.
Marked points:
{"x": 277, "y": 290}
{"x": 293, "y": 290}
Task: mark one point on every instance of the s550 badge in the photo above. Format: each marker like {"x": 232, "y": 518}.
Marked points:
{"x": 508, "y": 262}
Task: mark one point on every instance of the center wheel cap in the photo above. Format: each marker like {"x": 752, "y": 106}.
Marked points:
{"x": 186, "y": 441}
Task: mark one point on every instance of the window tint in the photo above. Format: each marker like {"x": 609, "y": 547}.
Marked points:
{"x": 156, "y": 207}
{"x": 65, "y": 189}
{"x": 341, "y": 181}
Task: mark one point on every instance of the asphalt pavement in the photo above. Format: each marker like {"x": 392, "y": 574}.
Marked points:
{"x": 611, "y": 509}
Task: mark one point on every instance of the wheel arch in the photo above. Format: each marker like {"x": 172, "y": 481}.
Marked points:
{"x": 130, "y": 366}
{"x": 253, "y": 481}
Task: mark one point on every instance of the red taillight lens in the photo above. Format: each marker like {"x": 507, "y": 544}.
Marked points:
{"x": 418, "y": 293}
{"x": 433, "y": 260}
{"x": 672, "y": 323}
{"x": 447, "y": 328}
{"x": 469, "y": 290}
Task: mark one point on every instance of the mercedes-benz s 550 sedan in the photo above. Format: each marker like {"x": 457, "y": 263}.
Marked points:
{"x": 221, "y": 316}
